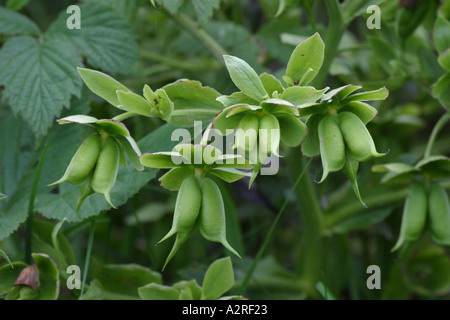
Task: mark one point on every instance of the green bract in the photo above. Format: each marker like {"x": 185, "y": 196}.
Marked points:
{"x": 199, "y": 202}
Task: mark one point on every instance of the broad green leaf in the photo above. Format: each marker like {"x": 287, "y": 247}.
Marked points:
{"x": 112, "y": 127}
{"x": 102, "y": 85}
{"x": 440, "y": 91}
{"x": 302, "y": 95}
{"x": 198, "y": 154}
{"x": 392, "y": 167}
{"x": 241, "y": 108}
{"x": 79, "y": 118}
{"x": 441, "y": 36}
{"x": 154, "y": 291}
{"x": 16, "y": 4}
{"x": 218, "y": 279}
{"x": 293, "y": 131}
{"x": 15, "y": 23}
{"x": 127, "y": 279}
{"x": 280, "y": 106}
{"x": 271, "y": 84}
{"x": 105, "y": 38}
{"x": 245, "y": 78}
{"x": 9, "y": 274}
{"x": 39, "y": 78}
{"x": 307, "y": 55}
{"x": 204, "y": 9}
{"x": 192, "y": 102}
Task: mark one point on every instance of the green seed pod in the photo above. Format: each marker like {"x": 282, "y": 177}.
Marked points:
{"x": 212, "y": 214}
{"x": 269, "y": 135}
{"x": 180, "y": 239}
{"x": 414, "y": 215}
{"x": 357, "y": 137}
{"x": 439, "y": 214}
{"x": 105, "y": 172}
{"x": 187, "y": 207}
{"x": 247, "y": 133}
{"x": 83, "y": 161}
{"x": 85, "y": 190}
{"x": 332, "y": 147}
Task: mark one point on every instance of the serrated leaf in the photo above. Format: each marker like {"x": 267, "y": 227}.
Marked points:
{"x": 15, "y": 23}
{"x": 104, "y": 38}
{"x": 218, "y": 279}
{"x": 307, "y": 55}
{"x": 245, "y": 78}
{"x": 204, "y": 9}
{"x": 39, "y": 78}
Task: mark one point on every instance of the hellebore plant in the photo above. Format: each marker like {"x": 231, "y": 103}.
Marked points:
{"x": 263, "y": 114}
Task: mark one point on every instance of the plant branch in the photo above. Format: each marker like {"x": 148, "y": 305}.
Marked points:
{"x": 439, "y": 125}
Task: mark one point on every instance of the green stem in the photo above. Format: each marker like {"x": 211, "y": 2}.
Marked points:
{"x": 346, "y": 211}
{"x": 269, "y": 234}
{"x": 201, "y": 35}
{"x": 29, "y": 227}
{"x": 335, "y": 31}
{"x": 146, "y": 241}
{"x": 125, "y": 115}
{"x": 439, "y": 125}
{"x": 309, "y": 265}
{"x": 88, "y": 255}
{"x": 181, "y": 64}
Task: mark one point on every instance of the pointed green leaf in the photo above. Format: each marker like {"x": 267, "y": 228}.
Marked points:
{"x": 133, "y": 102}
{"x": 307, "y": 55}
{"x": 132, "y": 150}
{"x": 112, "y": 127}
{"x": 271, "y": 84}
{"x": 229, "y": 175}
{"x": 154, "y": 291}
{"x": 218, "y": 279}
{"x": 293, "y": 131}
{"x": 363, "y": 110}
{"x": 15, "y": 23}
{"x": 440, "y": 91}
{"x": 311, "y": 145}
{"x": 102, "y": 85}
{"x": 161, "y": 160}
{"x": 235, "y": 99}
{"x": 245, "y": 78}
{"x": 302, "y": 95}
{"x": 173, "y": 179}
{"x": 379, "y": 94}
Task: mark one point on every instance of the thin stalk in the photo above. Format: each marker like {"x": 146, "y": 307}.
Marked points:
{"x": 88, "y": 255}
{"x": 309, "y": 265}
{"x": 335, "y": 31}
{"x": 125, "y": 115}
{"x": 346, "y": 211}
{"x": 29, "y": 227}
{"x": 201, "y": 35}
{"x": 269, "y": 234}
{"x": 147, "y": 244}
{"x": 439, "y": 125}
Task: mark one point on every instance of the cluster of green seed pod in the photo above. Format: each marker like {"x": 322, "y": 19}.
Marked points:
{"x": 419, "y": 202}
{"x": 94, "y": 167}
{"x": 199, "y": 205}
